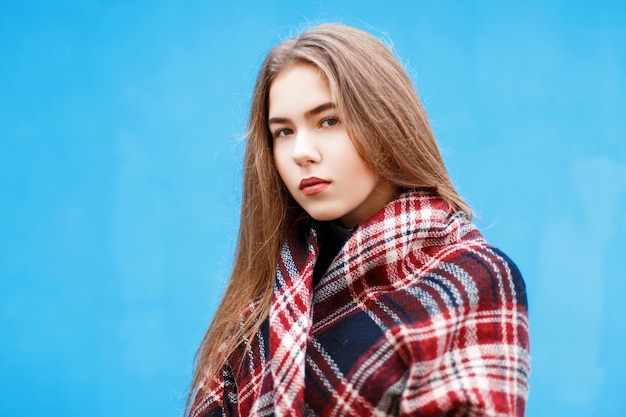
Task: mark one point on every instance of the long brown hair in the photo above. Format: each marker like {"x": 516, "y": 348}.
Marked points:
{"x": 388, "y": 125}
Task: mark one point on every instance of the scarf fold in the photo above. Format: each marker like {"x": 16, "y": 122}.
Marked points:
{"x": 381, "y": 240}
{"x": 290, "y": 317}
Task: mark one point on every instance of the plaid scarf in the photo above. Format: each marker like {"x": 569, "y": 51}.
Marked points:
{"x": 416, "y": 315}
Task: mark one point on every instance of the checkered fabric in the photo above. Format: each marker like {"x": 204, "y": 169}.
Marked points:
{"x": 416, "y": 316}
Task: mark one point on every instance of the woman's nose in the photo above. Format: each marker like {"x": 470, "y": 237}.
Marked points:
{"x": 305, "y": 149}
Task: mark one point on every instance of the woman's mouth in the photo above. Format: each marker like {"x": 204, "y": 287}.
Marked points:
{"x": 313, "y": 185}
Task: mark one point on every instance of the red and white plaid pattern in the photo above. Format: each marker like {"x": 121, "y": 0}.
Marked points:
{"x": 290, "y": 315}
{"x": 416, "y": 316}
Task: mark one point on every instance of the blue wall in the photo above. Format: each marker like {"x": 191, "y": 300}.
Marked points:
{"x": 120, "y": 127}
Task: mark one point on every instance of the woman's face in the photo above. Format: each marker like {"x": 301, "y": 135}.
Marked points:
{"x": 314, "y": 155}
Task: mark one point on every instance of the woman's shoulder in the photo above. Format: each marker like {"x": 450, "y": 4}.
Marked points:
{"x": 461, "y": 274}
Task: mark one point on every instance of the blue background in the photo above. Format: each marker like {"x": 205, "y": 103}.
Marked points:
{"x": 121, "y": 127}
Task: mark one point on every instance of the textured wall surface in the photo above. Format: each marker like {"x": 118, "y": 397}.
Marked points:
{"x": 120, "y": 151}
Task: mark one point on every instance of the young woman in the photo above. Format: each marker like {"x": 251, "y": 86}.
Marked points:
{"x": 360, "y": 286}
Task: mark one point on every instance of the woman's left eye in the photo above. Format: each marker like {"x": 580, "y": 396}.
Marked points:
{"x": 329, "y": 122}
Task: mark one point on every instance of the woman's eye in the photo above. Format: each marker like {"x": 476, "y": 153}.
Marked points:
{"x": 282, "y": 132}
{"x": 329, "y": 122}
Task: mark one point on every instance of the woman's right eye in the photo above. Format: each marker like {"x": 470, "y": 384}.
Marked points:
{"x": 282, "y": 132}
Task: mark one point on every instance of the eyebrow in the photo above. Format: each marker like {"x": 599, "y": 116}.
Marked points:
{"x": 307, "y": 114}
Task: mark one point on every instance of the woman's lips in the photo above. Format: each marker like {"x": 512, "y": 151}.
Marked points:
{"x": 313, "y": 185}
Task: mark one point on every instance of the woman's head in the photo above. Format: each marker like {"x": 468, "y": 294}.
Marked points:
{"x": 314, "y": 155}
{"x": 375, "y": 100}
